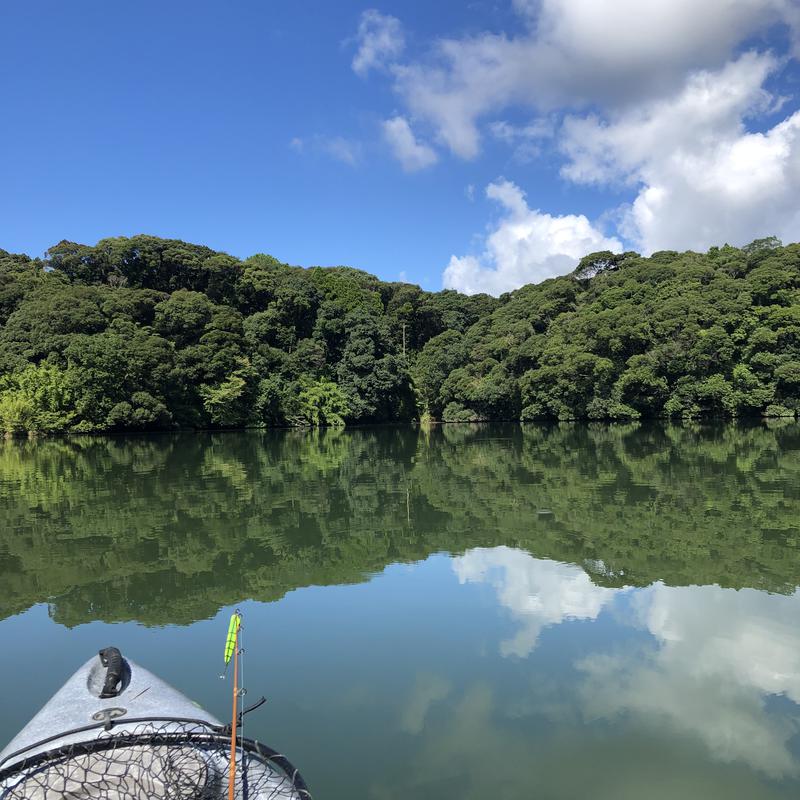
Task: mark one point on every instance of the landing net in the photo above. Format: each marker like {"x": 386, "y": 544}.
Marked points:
{"x": 150, "y": 760}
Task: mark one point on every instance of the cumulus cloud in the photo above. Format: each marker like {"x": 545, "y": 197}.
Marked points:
{"x": 526, "y": 246}
{"x": 655, "y": 99}
{"x": 710, "y": 106}
{"x": 466, "y": 80}
{"x": 702, "y": 178}
{"x": 526, "y": 140}
{"x": 709, "y": 674}
{"x": 537, "y": 592}
{"x": 380, "y": 40}
{"x": 535, "y": 129}
{"x": 412, "y": 154}
{"x": 574, "y": 53}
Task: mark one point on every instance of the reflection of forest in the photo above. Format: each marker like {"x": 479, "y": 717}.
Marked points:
{"x": 167, "y": 529}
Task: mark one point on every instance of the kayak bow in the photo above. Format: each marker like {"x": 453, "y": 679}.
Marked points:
{"x": 115, "y": 731}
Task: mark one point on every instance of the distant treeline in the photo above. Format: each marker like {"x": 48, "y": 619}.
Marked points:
{"x": 146, "y": 333}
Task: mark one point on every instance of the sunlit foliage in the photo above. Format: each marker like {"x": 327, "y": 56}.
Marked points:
{"x": 144, "y": 333}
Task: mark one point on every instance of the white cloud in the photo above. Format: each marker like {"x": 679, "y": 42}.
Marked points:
{"x": 661, "y": 39}
{"x": 467, "y": 79}
{"x": 701, "y": 177}
{"x": 710, "y": 673}
{"x": 412, "y": 154}
{"x": 538, "y": 593}
{"x": 344, "y": 150}
{"x": 540, "y": 128}
{"x": 348, "y": 151}
{"x": 524, "y": 139}
{"x": 708, "y": 106}
{"x": 654, "y": 99}
{"x": 607, "y": 53}
{"x": 526, "y": 246}
{"x": 380, "y": 40}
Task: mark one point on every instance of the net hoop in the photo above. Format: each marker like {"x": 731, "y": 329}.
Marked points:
{"x": 173, "y": 732}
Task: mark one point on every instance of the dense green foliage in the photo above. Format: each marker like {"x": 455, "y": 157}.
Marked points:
{"x": 167, "y": 529}
{"x": 145, "y": 333}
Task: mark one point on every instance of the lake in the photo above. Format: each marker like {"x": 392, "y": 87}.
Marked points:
{"x": 565, "y": 612}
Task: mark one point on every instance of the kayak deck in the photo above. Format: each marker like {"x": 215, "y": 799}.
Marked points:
{"x": 146, "y": 741}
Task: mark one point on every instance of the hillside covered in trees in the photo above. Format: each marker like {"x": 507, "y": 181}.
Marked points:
{"x": 146, "y": 333}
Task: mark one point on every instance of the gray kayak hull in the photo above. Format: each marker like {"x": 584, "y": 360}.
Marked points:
{"x": 78, "y": 704}
{"x": 148, "y": 735}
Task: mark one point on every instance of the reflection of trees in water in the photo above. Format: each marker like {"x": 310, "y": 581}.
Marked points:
{"x": 169, "y": 528}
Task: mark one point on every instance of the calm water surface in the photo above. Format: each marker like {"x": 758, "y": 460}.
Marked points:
{"x": 473, "y": 612}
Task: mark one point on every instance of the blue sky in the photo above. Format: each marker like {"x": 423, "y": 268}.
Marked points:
{"x": 481, "y": 145}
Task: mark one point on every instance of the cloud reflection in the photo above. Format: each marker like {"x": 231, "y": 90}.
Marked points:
{"x": 718, "y": 664}
{"x": 539, "y": 593}
{"x": 716, "y": 658}
{"x": 428, "y": 690}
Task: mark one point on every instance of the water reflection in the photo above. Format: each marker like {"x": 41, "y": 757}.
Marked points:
{"x": 612, "y": 613}
{"x": 169, "y": 529}
{"x": 717, "y": 664}
{"x": 428, "y": 690}
{"x": 539, "y": 593}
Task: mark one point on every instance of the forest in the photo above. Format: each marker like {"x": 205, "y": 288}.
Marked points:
{"x": 144, "y": 333}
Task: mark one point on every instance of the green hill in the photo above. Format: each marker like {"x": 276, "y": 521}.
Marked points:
{"x": 146, "y": 333}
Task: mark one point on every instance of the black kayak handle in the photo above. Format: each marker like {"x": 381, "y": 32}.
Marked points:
{"x": 111, "y": 658}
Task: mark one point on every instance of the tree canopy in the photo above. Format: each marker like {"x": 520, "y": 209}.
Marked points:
{"x": 145, "y": 333}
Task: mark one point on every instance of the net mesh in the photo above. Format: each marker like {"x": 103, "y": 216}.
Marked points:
{"x": 151, "y": 761}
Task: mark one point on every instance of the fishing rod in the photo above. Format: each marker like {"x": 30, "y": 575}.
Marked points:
{"x": 232, "y": 651}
